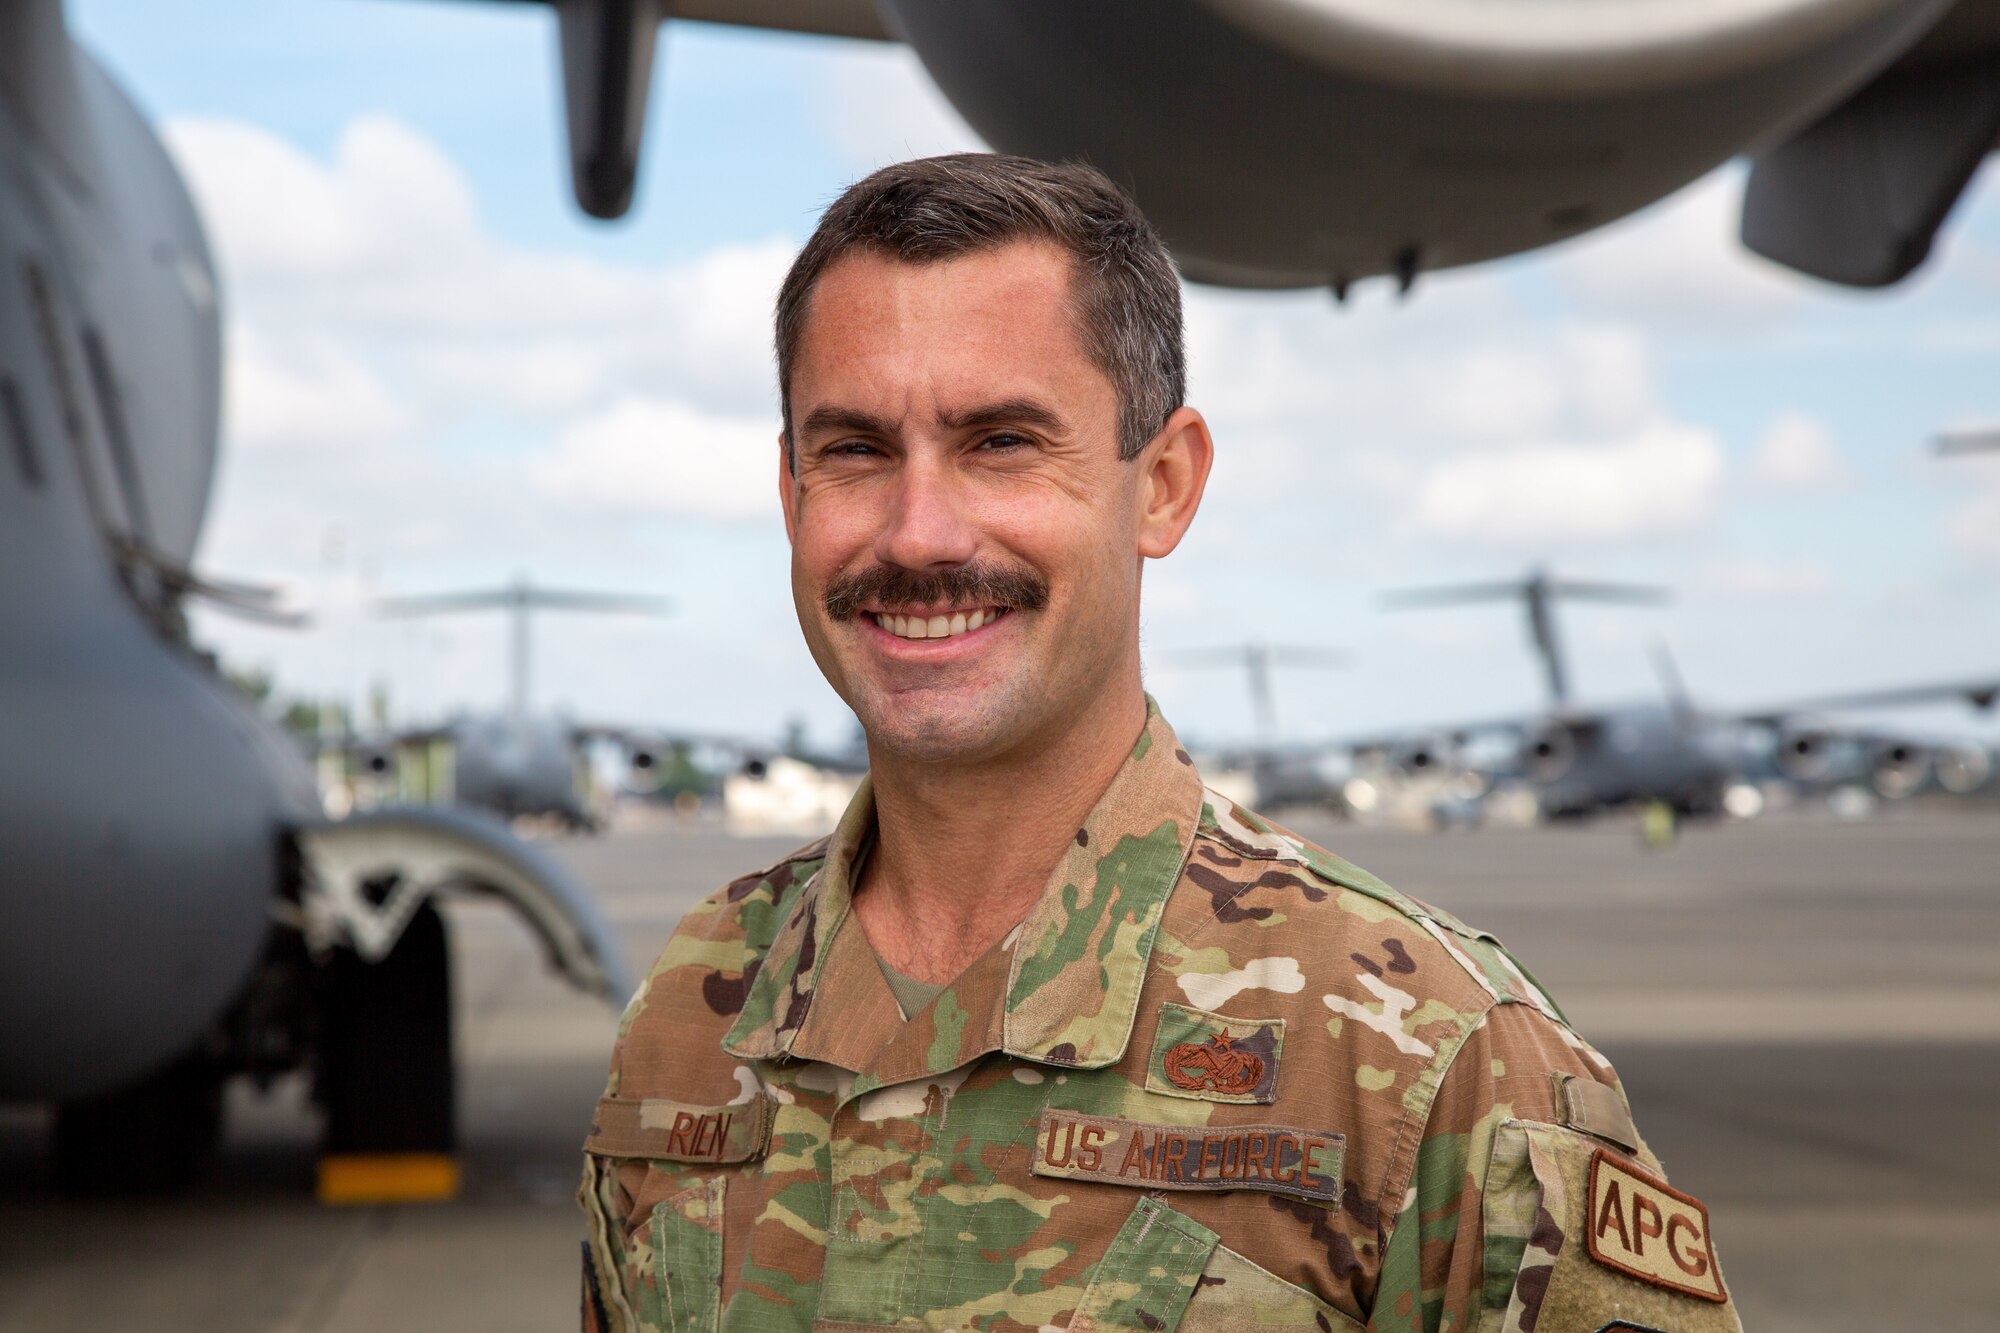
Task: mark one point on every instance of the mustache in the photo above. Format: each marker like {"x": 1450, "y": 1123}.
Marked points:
{"x": 971, "y": 583}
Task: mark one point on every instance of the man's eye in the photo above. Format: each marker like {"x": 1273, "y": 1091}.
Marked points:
{"x": 1003, "y": 440}
{"x": 850, "y": 449}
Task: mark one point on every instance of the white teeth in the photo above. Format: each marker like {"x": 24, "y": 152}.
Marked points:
{"x": 936, "y": 627}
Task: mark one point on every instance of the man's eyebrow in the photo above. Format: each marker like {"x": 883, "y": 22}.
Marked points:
{"x": 823, "y": 419}
{"x": 1007, "y": 412}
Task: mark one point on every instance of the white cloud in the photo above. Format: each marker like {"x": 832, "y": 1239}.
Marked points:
{"x": 1748, "y": 579}
{"x": 886, "y": 109}
{"x": 647, "y": 457}
{"x": 372, "y": 311}
{"x": 1586, "y": 379}
{"x": 415, "y": 402}
{"x": 1680, "y": 262}
{"x": 1797, "y": 454}
{"x": 382, "y": 247}
{"x": 1661, "y": 481}
{"x": 306, "y": 392}
{"x": 1973, "y": 529}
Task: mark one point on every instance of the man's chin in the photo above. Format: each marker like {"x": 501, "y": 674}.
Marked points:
{"x": 944, "y": 726}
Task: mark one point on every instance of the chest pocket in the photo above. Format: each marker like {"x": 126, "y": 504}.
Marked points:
{"x": 678, "y": 1157}
{"x": 1166, "y": 1271}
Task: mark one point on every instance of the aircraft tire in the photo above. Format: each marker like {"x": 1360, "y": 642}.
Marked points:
{"x": 385, "y": 1071}
{"x": 149, "y": 1137}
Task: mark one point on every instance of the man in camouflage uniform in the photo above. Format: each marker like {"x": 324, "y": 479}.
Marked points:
{"x": 1046, "y": 1035}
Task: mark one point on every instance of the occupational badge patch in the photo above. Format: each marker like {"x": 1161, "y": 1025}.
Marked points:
{"x": 1647, "y": 1229}
{"x": 1213, "y": 1058}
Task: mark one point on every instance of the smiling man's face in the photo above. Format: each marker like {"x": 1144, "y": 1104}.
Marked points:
{"x": 965, "y": 539}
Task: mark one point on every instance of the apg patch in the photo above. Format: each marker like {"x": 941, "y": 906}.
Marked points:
{"x": 1278, "y": 1159}
{"x": 1213, "y": 1058}
{"x": 1645, "y": 1228}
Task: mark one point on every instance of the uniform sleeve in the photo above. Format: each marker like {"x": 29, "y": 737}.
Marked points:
{"x": 606, "y": 1198}
{"x": 1527, "y": 1135}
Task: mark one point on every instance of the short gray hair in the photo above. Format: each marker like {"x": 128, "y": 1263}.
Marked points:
{"x": 1125, "y": 292}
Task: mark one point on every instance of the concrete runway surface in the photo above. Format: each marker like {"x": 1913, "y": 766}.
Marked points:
{"x": 1806, "y": 1014}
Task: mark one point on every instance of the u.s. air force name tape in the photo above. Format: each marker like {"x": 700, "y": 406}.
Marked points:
{"x": 1645, "y": 1228}
{"x": 1279, "y": 1159}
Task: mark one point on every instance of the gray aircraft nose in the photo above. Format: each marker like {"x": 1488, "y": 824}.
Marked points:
{"x": 135, "y": 920}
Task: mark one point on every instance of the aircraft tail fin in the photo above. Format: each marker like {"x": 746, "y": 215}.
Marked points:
{"x": 1537, "y": 592}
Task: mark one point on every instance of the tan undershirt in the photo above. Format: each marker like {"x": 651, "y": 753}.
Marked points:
{"x": 912, "y": 996}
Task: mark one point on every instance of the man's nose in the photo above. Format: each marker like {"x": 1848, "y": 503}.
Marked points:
{"x": 927, "y": 522}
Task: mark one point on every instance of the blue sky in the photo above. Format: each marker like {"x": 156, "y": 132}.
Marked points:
{"x": 441, "y": 373}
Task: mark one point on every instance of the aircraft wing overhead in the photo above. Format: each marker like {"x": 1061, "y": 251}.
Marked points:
{"x": 827, "y": 18}
{"x": 1857, "y": 196}
{"x": 1495, "y": 127}
{"x": 606, "y": 49}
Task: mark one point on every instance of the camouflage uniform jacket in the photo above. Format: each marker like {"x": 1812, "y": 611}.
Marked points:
{"x": 1218, "y": 1078}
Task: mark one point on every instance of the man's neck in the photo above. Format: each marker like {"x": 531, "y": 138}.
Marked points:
{"x": 962, "y": 853}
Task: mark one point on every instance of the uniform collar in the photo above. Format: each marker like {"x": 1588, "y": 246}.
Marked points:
{"x": 1061, "y": 989}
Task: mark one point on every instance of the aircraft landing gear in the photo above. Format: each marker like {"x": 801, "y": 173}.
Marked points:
{"x": 385, "y": 1078}
{"x": 147, "y": 1138}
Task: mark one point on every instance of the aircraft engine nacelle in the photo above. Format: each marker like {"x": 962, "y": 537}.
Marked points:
{"x": 376, "y": 761}
{"x": 1549, "y": 752}
{"x": 1963, "y": 768}
{"x": 1293, "y": 143}
{"x": 1424, "y": 757}
{"x": 1804, "y": 755}
{"x": 643, "y": 769}
{"x": 1898, "y": 768}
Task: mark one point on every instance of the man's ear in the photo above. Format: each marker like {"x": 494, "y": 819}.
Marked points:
{"x": 788, "y": 491}
{"x": 1173, "y": 473}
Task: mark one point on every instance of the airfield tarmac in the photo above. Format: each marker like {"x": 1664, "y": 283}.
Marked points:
{"x": 1806, "y": 1015}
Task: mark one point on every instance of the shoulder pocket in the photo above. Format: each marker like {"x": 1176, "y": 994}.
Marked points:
{"x": 669, "y": 1254}
{"x": 1579, "y": 1238}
